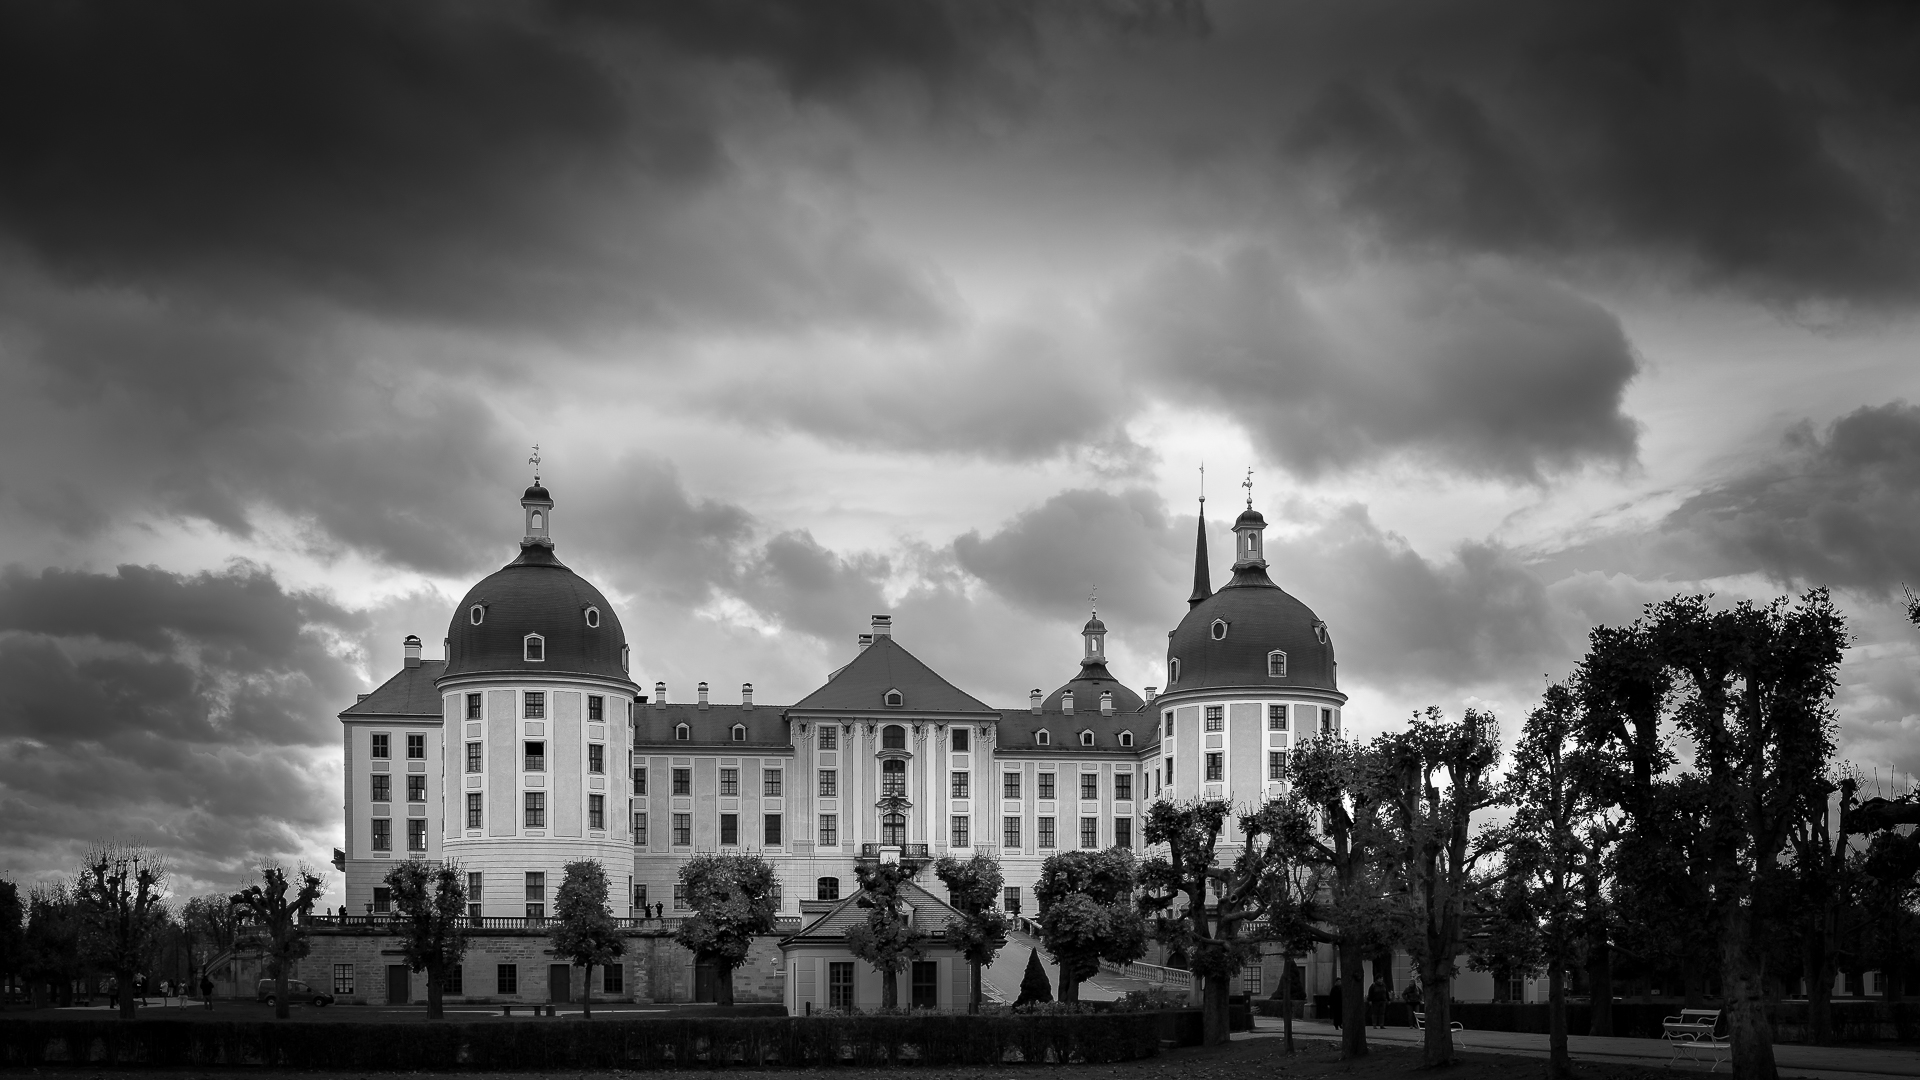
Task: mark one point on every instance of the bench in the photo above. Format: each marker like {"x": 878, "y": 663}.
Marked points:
{"x": 1692, "y": 1032}
{"x": 1420, "y": 1021}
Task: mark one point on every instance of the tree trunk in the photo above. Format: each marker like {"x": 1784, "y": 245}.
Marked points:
{"x": 1069, "y": 986}
{"x": 1286, "y": 1003}
{"x": 1353, "y": 1004}
{"x": 723, "y": 985}
{"x": 1819, "y": 974}
{"x": 280, "y": 1006}
{"x": 434, "y": 1010}
{"x": 1746, "y": 1007}
{"x": 973, "y": 991}
{"x": 890, "y": 989}
{"x": 1213, "y": 1012}
{"x": 1599, "y": 963}
{"x": 586, "y": 996}
{"x": 1559, "y": 1064}
{"x": 127, "y": 1006}
{"x": 1436, "y": 987}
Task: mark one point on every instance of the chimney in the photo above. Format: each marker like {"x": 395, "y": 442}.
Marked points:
{"x": 410, "y": 650}
{"x": 865, "y": 640}
{"x": 1106, "y": 703}
{"x": 358, "y": 698}
{"x": 703, "y": 695}
{"x": 746, "y": 695}
{"x": 659, "y": 695}
{"x": 882, "y": 626}
{"x": 1066, "y": 703}
{"x": 1033, "y": 700}
{"x": 1152, "y": 692}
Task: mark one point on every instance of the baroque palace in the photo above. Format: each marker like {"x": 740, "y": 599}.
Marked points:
{"x": 532, "y": 743}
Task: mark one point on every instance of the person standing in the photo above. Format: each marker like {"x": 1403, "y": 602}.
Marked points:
{"x": 1335, "y": 1000}
{"x": 1377, "y": 995}
{"x": 113, "y": 993}
{"x": 140, "y": 987}
{"x": 1414, "y": 1002}
{"x": 206, "y": 989}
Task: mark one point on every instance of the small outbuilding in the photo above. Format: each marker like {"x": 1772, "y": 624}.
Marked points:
{"x": 823, "y": 974}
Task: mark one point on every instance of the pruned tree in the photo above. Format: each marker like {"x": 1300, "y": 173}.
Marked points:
{"x": 1293, "y": 917}
{"x": 431, "y": 902}
{"x": 887, "y": 938}
{"x": 1823, "y": 882}
{"x": 973, "y": 888}
{"x": 734, "y": 899}
{"x": 278, "y": 906}
{"x": 118, "y": 898}
{"x": 1087, "y": 914}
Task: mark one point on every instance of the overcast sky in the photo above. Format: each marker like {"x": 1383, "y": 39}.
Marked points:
{"x": 1523, "y": 316}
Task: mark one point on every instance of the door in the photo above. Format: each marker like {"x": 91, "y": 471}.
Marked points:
{"x": 559, "y": 983}
{"x": 398, "y": 978}
{"x": 926, "y": 984}
{"x": 706, "y": 982}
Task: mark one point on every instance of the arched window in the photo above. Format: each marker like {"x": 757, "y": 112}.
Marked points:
{"x": 681, "y": 733}
{"x": 1277, "y": 664}
{"x": 1041, "y": 738}
{"x": 1086, "y": 738}
{"x": 593, "y": 616}
{"x": 1219, "y": 629}
{"x": 536, "y": 647}
{"x": 539, "y": 521}
{"x": 893, "y": 830}
{"x": 739, "y": 733}
{"x": 1173, "y": 672}
{"x": 893, "y": 737}
{"x": 1126, "y": 738}
{"x": 477, "y": 614}
{"x": 827, "y": 888}
{"x": 1320, "y": 632}
{"x": 626, "y": 655}
{"x": 893, "y": 777}
{"x": 895, "y": 699}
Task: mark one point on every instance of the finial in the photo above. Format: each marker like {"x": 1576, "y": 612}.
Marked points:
{"x": 535, "y": 462}
{"x": 1203, "y": 483}
{"x": 1248, "y": 484}
{"x": 1093, "y": 600}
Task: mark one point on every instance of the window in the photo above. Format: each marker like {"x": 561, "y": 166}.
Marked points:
{"x": 473, "y": 706}
{"x": 534, "y": 705}
{"x": 614, "y": 981}
{"x": 1219, "y": 629}
{"x": 536, "y": 809}
{"x": 840, "y": 984}
{"x": 1216, "y": 717}
{"x": 1126, "y": 738}
{"x": 960, "y": 785}
{"x": 1169, "y": 768}
{"x": 380, "y": 745}
{"x": 827, "y": 888}
{"x": 893, "y": 777}
{"x": 1042, "y": 738}
{"x": 1276, "y": 718}
{"x": 451, "y": 980}
{"x": 417, "y": 834}
{"x": 683, "y": 781}
{"x": 473, "y": 892}
{"x": 1253, "y": 981}
{"x": 1320, "y": 632}
{"x": 1123, "y": 787}
{"x": 893, "y": 829}
{"x": 596, "y": 707}
{"x": 770, "y": 783}
{"x": 473, "y": 757}
{"x": 1089, "y": 832}
{"x": 506, "y": 979}
{"x": 679, "y": 897}
{"x": 1328, "y": 725}
{"x": 1277, "y": 664}
{"x": 1010, "y": 785}
{"x": 1173, "y": 672}
{"x": 1169, "y": 716}
{"x": 1010, "y": 898}
{"x": 596, "y": 811}
{"x": 829, "y": 737}
{"x": 926, "y": 984}
{"x": 536, "y": 647}
{"x": 593, "y": 617}
{"x": 1086, "y": 738}
{"x": 596, "y": 758}
{"x": 962, "y": 831}
{"x": 829, "y": 783}
{"x": 536, "y": 757}
{"x": 1010, "y": 832}
{"x": 829, "y": 831}
{"x": 1046, "y": 785}
{"x": 729, "y": 781}
{"x": 1089, "y": 785}
{"x": 342, "y": 980}
{"x": 960, "y": 740}
{"x": 893, "y": 737}
{"x": 729, "y": 828}
{"x": 382, "y": 900}
{"x": 1215, "y": 769}
{"x": 473, "y": 809}
{"x": 682, "y": 830}
{"x": 681, "y": 733}
{"x": 640, "y": 828}
{"x": 477, "y": 614}
{"x": 639, "y": 779}
{"x": 1276, "y": 765}
{"x": 382, "y": 834}
{"x": 739, "y": 733}
{"x": 1123, "y": 832}
{"x": 416, "y": 789}
{"x": 382, "y": 787}
{"x": 1046, "y": 832}
{"x": 895, "y": 699}
{"x": 773, "y": 830}
{"x": 536, "y": 895}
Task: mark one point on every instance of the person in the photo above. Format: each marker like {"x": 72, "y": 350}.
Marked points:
{"x": 206, "y": 989}
{"x": 113, "y": 992}
{"x": 1335, "y": 1000}
{"x": 1377, "y": 995}
{"x": 140, "y": 987}
{"x": 1412, "y": 996}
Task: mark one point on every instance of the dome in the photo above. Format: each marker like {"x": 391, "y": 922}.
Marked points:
{"x": 1094, "y": 626}
{"x": 1260, "y": 618}
{"x": 1249, "y": 516}
{"x": 536, "y": 493}
{"x": 1087, "y": 687}
{"x": 536, "y": 594}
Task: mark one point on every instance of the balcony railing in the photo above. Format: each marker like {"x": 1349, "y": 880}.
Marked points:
{"x": 907, "y": 851}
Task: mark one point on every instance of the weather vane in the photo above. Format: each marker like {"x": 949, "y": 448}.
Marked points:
{"x": 1248, "y": 484}
{"x": 1203, "y": 483}
{"x": 1093, "y": 599}
{"x": 535, "y": 462}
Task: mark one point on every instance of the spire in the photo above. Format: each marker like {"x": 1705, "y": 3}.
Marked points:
{"x": 1202, "y": 579}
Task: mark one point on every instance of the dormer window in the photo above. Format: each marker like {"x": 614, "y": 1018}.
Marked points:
{"x": 626, "y": 656}
{"x": 895, "y": 699}
{"x": 1219, "y": 629}
{"x": 1320, "y": 632}
{"x": 739, "y": 733}
{"x": 1276, "y": 664}
{"x": 1173, "y": 672}
{"x": 1041, "y": 738}
{"x": 1086, "y": 738}
{"x": 535, "y": 648}
{"x": 593, "y": 617}
{"x": 681, "y": 733}
{"x": 477, "y": 614}
{"x": 1126, "y": 738}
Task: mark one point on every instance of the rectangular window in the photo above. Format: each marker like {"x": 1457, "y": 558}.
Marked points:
{"x": 1276, "y": 765}
{"x": 473, "y": 706}
{"x": 382, "y": 787}
{"x": 1169, "y": 716}
{"x": 596, "y": 811}
{"x": 1253, "y": 980}
{"x": 1046, "y": 832}
{"x": 1089, "y": 785}
{"x": 473, "y": 757}
{"x": 1046, "y": 785}
{"x": 829, "y": 737}
{"x": 729, "y": 781}
{"x": 382, "y": 900}
{"x": 639, "y": 779}
{"x": 1089, "y": 832}
{"x": 960, "y": 784}
{"x": 382, "y": 834}
{"x": 536, "y": 809}
{"x": 829, "y": 783}
{"x": 962, "y": 833}
{"x": 682, "y": 829}
{"x": 1010, "y": 785}
{"x": 596, "y": 758}
{"x": 1216, "y": 717}
{"x": 380, "y": 745}
{"x": 416, "y": 747}
{"x": 1123, "y": 832}
{"x": 1123, "y": 786}
{"x": 473, "y": 810}
{"x": 773, "y": 830}
{"x": 640, "y": 896}
{"x": 1010, "y": 832}
{"x": 535, "y": 702}
{"x": 506, "y": 979}
{"x": 729, "y": 828}
{"x": 536, "y": 895}
{"x": 473, "y": 887}
{"x": 596, "y": 707}
{"x": 614, "y": 981}
{"x": 451, "y": 980}
{"x": 342, "y": 980}
{"x": 1010, "y": 898}
{"x": 840, "y": 985}
{"x": 416, "y": 789}
{"x": 770, "y": 783}
{"x": 639, "y": 828}
{"x": 680, "y": 898}
{"x": 829, "y": 830}
{"x": 960, "y": 740}
{"x": 536, "y": 757}
{"x": 1216, "y": 770}
{"x": 1276, "y": 718}
{"x": 683, "y": 781}
{"x": 926, "y": 984}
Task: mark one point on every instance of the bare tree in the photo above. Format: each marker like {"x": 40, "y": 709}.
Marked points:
{"x": 119, "y": 899}
{"x": 278, "y": 906}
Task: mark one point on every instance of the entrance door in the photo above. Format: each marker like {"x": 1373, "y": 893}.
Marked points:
{"x": 706, "y": 983}
{"x": 397, "y": 981}
{"x": 926, "y": 984}
{"x": 559, "y": 982}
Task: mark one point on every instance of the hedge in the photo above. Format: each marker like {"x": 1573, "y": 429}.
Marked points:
{"x": 653, "y": 1043}
{"x": 1853, "y": 1021}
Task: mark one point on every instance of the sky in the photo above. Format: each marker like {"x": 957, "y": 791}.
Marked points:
{"x": 1522, "y": 316}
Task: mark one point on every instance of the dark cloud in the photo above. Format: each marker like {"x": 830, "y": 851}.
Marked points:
{"x": 1047, "y": 559}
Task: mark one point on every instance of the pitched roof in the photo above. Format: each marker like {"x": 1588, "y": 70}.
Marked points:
{"x": 930, "y": 916}
{"x": 712, "y": 726}
{"x": 885, "y": 665}
{"x": 411, "y": 692}
{"x": 1016, "y": 728}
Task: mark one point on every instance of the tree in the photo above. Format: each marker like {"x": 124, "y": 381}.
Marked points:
{"x": 1503, "y": 923}
{"x": 118, "y": 899}
{"x": 431, "y": 901}
{"x": 212, "y": 925}
{"x": 974, "y": 889}
{"x": 583, "y": 930}
{"x": 1293, "y": 913}
{"x": 1035, "y": 989}
{"x": 278, "y": 906}
{"x": 733, "y": 900}
{"x": 887, "y": 939}
{"x": 13, "y": 934}
{"x": 1823, "y": 883}
{"x": 53, "y": 944}
{"x": 1087, "y": 914}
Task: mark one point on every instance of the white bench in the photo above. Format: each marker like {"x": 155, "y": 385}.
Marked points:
{"x": 1420, "y": 1021}
{"x": 1692, "y": 1032}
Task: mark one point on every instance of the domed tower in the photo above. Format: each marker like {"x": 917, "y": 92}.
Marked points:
{"x": 1250, "y": 670}
{"x": 536, "y": 698}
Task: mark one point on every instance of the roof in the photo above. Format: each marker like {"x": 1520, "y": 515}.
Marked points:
{"x": 709, "y": 727}
{"x": 1261, "y": 617}
{"x": 536, "y": 493}
{"x": 410, "y": 692}
{"x": 1016, "y": 728}
{"x": 885, "y": 665}
{"x": 930, "y": 916}
{"x": 536, "y": 593}
{"x": 1093, "y": 680}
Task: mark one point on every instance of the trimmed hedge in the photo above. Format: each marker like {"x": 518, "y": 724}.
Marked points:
{"x": 653, "y": 1043}
{"x": 1853, "y": 1021}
